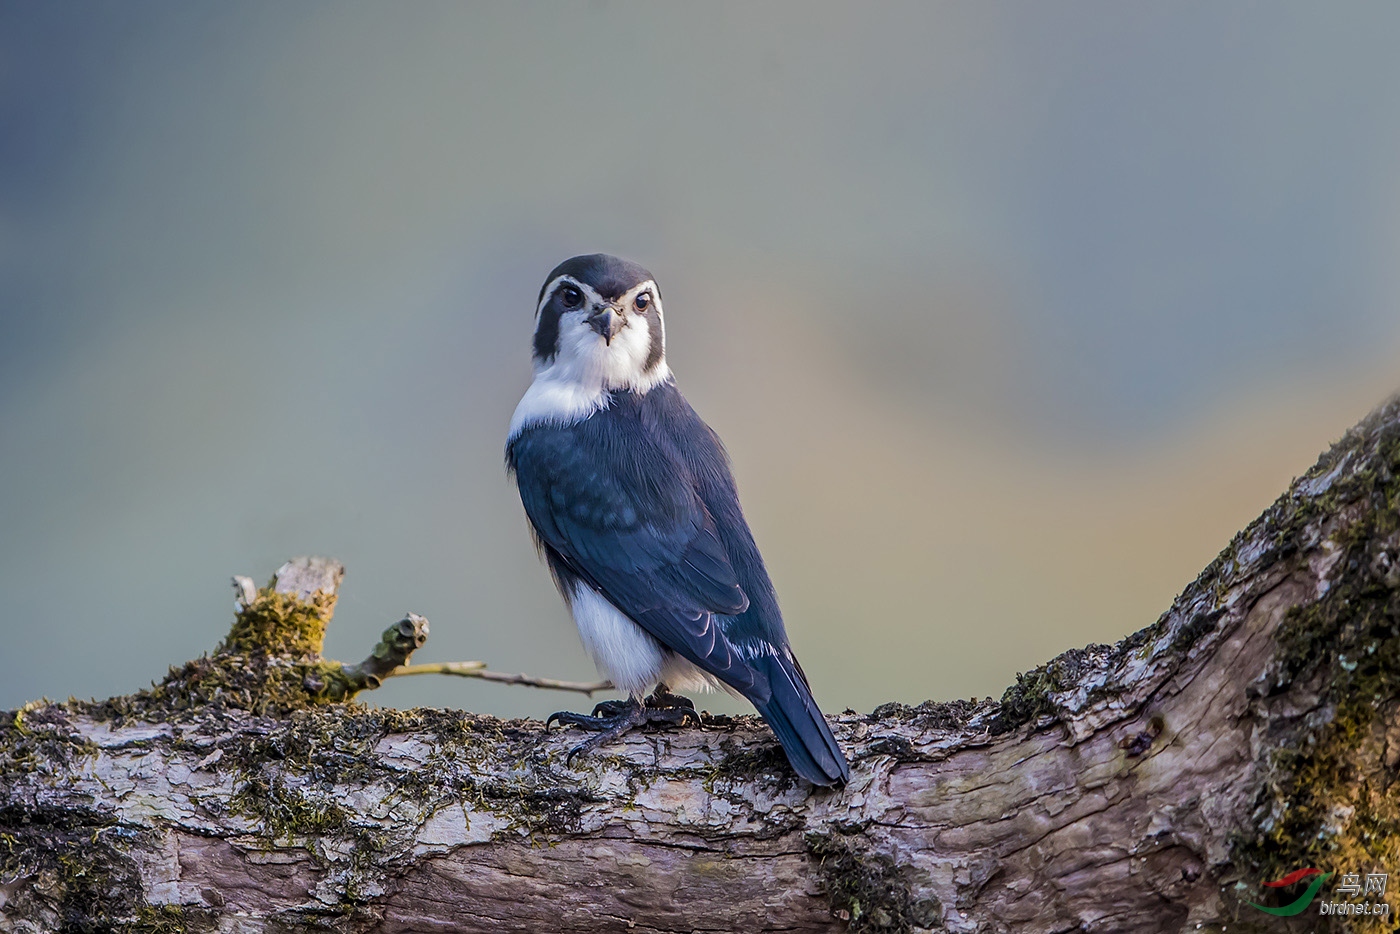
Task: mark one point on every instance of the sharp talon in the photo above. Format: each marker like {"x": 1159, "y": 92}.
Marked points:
{"x": 583, "y": 721}
{"x": 610, "y": 708}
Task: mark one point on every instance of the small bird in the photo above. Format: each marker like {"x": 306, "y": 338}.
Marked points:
{"x": 633, "y": 505}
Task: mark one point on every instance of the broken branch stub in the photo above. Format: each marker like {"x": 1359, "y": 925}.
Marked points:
{"x": 393, "y": 650}
{"x": 288, "y": 617}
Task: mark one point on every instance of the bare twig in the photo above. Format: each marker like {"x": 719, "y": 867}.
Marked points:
{"x": 479, "y": 670}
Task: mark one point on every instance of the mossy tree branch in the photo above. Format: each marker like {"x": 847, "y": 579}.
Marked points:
{"x": 1150, "y": 786}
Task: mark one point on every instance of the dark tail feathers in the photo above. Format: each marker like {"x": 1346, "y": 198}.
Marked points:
{"x": 798, "y": 723}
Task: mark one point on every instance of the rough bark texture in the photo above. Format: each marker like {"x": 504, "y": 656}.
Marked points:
{"x": 1148, "y": 786}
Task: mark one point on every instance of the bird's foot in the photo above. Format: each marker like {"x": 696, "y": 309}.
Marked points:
{"x": 660, "y": 699}
{"x": 614, "y": 719}
{"x": 606, "y": 710}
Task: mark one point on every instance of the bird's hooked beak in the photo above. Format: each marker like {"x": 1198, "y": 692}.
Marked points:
{"x": 607, "y": 321}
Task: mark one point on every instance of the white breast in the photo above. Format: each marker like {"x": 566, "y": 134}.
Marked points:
{"x": 554, "y": 401}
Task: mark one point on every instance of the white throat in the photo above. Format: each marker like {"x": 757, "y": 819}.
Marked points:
{"x": 584, "y": 370}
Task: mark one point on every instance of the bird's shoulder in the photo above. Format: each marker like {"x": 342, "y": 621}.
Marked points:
{"x": 618, "y": 490}
{"x": 654, "y": 435}
{"x": 694, "y": 445}
{"x": 616, "y": 472}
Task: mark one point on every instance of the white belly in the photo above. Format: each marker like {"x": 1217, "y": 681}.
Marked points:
{"x": 627, "y": 654}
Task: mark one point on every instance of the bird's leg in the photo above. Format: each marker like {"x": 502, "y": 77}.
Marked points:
{"x": 662, "y": 699}
{"x": 621, "y": 717}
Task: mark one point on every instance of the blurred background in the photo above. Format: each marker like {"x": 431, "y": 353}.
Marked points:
{"x": 1010, "y": 315}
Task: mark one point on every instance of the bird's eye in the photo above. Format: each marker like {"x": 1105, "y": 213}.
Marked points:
{"x": 571, "y": 296}
{"x": 643, "y": 301}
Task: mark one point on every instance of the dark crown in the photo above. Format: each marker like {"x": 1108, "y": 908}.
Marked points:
{"x": 609, "y": 275}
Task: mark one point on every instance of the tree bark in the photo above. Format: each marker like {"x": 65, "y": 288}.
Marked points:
{"x": 1149, "y": 786}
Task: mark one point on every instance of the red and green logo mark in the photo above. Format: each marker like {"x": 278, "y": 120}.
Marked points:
{"x": 1303, "y": 901}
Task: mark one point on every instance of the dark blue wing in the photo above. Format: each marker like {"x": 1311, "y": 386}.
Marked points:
{"x": 619, "y": 507}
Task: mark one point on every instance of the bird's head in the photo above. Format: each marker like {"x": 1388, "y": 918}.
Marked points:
{"x": 598, "y": 321}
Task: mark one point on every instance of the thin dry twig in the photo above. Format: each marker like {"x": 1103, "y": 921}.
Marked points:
{"x": 479, "y": 670}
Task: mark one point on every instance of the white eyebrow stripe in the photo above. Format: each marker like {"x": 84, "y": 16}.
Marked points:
{"x": 588, "y": 291}
{"x": 650, "y": 285}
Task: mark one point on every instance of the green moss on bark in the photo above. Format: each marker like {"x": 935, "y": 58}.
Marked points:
{"x": 78, "y": 877}
{"x": 281, "y": 624}
{"x": 269, "y": 664}
{"x": 284, "y": 813}
{"x": 868, "y": 890}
